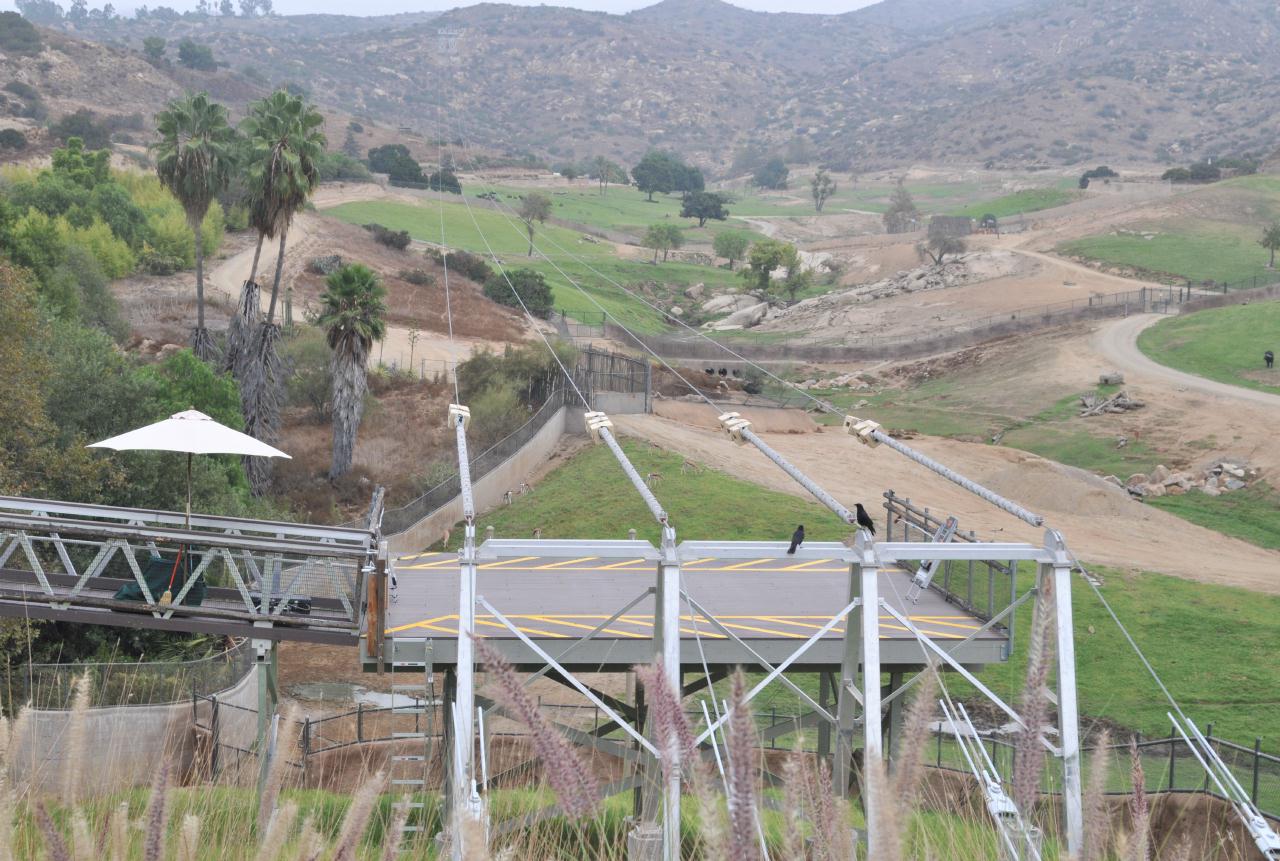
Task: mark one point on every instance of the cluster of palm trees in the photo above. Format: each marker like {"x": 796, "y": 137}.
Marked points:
{"x": 275, "y": 153}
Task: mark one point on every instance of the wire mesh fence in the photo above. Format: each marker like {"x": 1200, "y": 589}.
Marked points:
{"x": 399, "y": 519}
{"x": 52, "y": 686}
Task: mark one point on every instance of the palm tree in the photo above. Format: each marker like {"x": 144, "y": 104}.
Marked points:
{"x": 194, "y": 160}
{"x": 353, "y": 314}
{"x": 284, "y": 144}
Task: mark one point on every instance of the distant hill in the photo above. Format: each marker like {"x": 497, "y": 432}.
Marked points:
{"x": 1009, "y": 82}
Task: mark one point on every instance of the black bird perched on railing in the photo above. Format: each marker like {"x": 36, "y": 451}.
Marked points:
{"x": 797, "y": 538}
{"x": 864, "y": 519}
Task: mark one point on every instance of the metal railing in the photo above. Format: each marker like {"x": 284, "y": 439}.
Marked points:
{"x": 984, "y": 588}
{"x": 1168, "y": 765}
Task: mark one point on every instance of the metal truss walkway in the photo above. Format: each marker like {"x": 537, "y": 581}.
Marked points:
{"x": 260, "y": 579}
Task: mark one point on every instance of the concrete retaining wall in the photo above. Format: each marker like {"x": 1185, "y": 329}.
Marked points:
{"x": 621, "y": 403}
{"x": 488, "y": 490}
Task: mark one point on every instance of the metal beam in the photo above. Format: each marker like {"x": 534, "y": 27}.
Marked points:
{"x": 506, "y": 548}
{"x": 872, "y": 752}
{"x": 1059, "y": 574}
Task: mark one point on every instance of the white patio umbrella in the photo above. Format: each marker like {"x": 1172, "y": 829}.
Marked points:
{"x": 191, "y": 432}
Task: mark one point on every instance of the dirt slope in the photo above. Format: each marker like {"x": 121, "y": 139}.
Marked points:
{"x": 1101, "y": 524}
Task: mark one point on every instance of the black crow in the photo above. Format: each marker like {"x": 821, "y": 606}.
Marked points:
{"x": 797, "y": 538}
{"x": 864, "y": 519}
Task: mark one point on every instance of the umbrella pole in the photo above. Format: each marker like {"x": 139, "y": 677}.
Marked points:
{"x": 167, "y": 598}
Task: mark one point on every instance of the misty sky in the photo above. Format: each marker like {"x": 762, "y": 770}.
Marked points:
{"x": 385, "y": 7}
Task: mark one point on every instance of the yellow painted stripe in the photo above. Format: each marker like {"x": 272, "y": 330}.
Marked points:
{"x": 807, "y": 564}
{"x": 563, "y": 563}
{"x": 442, "y": 563}
{"x": 698, "y": 562}
{"x": 421, "y": 623}
{"x": 560, "y": 621}
{"x": 746, "y": 564}
{"x": 619, "y": 565}
{"x": 721, "y": 620}
{"x": 509, "y": 561}
{"x": 523, "y": 629}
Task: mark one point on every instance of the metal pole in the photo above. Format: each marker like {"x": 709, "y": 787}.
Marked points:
{"x": 872, "y": 751}
{"x": 268, "y": 697}
{"x": 1068, "y": 711}
{"x": 668, "y": 598}
{"x": 846, "y": 701}
{"x": 463, "y": 715}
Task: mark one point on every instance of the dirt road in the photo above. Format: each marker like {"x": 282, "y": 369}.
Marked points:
{"x": 1100, "y": 522}
{"x": 1118, "y": 343}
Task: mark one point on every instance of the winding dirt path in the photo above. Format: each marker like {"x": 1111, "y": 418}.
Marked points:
{"x": 1118, "y": 342}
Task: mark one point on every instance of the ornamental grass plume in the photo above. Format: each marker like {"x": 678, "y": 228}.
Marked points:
{"x": 576, "y": 788}
{"x": 118, "y": 833}
{"x": 394, "y": 835}
{"x": 189, "y": 839}
{"x": 740, "y": 751}
{"x": 54, "y": 845}
{"x": 310, "y": 841}
{"x": 908, "y": 765}
{"x": 358, "y": 816}
{"x": 76, "y": 735}
{"x": 675, "y": 735}
{"x": 279, "y": 769}
{"x": 157, "y": 816}
{"x": 808, "y": 796}
{"x": 276, "y": 834}
{"x": 1097, "y": 823}
{"x": 1139, "y": 848}
{"x": 1028, "y": 760}
{"x": 83, "y": 846}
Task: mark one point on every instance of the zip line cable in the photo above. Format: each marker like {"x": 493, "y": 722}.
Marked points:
{"x": 602, "y": 429}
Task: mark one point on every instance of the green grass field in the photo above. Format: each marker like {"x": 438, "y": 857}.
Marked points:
{"x": 1223, "y": 344}
{"x": 1190, "y": 248}
{"x": 1030, "y": 200}
{"x": 575, "y": 257}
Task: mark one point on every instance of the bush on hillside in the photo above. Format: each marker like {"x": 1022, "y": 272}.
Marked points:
{"x": 419, "y": 277}
{"x": 82, "y": 124}
{"x": 531, "y": 288}
{"x": 340, "y": 167}
{"x": 196, "y": 56}
{"x": 18, "y": 36}
{"x": 469, "y": 265}
{"x": 397, "y": 239}
{"x": 12, "y": 139}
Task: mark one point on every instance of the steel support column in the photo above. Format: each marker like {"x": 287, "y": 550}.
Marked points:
{"x": 463, "y": 714}
{"x": 846, "y": 698}
{"x": 662, "y": 785}
{"x": 872, "y": 749}
{"x": 1058, "y": 577}
{"x": 266, "y": 664}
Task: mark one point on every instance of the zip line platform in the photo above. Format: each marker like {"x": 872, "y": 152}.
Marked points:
{"x": 739, "y": 598}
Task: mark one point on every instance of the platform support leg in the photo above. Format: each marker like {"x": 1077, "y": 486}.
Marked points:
{"x": 449, "y": 696}
{"x": 824, "y": 727}
{"x": 266, "y": 665}
{"x": 1057, "y": 576}
{"x": 662, "y": 785}
{"x": 464, "y": 800}
{"x": 846, "y": 703}
{"x": 872, "y": 749}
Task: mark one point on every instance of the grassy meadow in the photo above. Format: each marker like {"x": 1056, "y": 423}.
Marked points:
{"x": 1224, "y": 344}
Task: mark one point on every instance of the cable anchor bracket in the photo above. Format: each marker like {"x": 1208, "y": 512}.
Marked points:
{"x": 734, "y": 424}
{"x": 596, "y": 422}
{"x": 459, "y": 413}
{"x": 864, "y": 429}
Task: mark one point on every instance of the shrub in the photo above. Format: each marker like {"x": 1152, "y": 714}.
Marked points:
{"x": 337, "y": 166}
{"x": 82, "y": 124}
{"x": 196, "y": 56}
{"x": 326, "y": 265}
{"x": 397, "y": 239}
{"x": 17, "y": 35}
{"x": 420, "y": 277}
{"x": 12, "y": 139}
{"x": 112, "y": 253}
{"x": 531, "y": 288}
{"x": 308, "y": 364}
{"x": 155, "y": 262}
{"x": 469, "y": 265}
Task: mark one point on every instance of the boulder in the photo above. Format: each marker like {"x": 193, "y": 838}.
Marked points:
{"x": 1111, "y": 378}
{"x": 745, "y": 318}
{"x": 1155, "y": 490}
{"x": 677, "y": 311}
{"x": 727, "y": 303}
{"x": 1136, "y": 480}
{"x": 1160, "y": 474}
{"x": 1232, "y": 470}
{"x": 1210, "y": 490}
{"x": 1111, "y": 479}
{"x": 1175, "y": 490}
{"x": 695, "y": 291}
{"x": 1234, "y": 484}
{"x": 168, "y": 350}
{"x": 1211, "y": 483}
